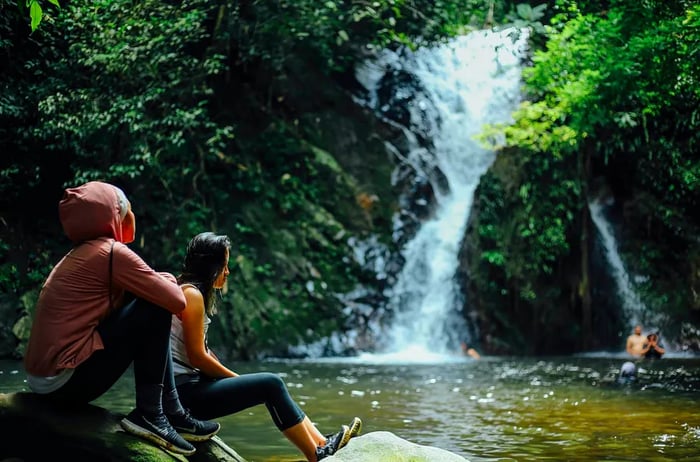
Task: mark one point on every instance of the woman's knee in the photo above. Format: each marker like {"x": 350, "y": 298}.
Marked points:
{"x": 150, "y": 315}
{"x": 136, "y": 319}
{"x": 273, "y": 382}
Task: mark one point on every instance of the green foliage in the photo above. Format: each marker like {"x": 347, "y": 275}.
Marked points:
{"x": 622, "y": 86}
{"x": 525, "y": 15}
{"x": 336, "y": 32}
{"x": 151, "y": 95}
{"x": 183, "y": 104}
{"x": 541, "y": 201}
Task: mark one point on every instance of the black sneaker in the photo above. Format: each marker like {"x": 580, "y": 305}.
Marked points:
{"x": 192, "y": 429}
{"x": 355, "y": 427}
{"x": 157, "y": 429}
{"x": 333, "y": 443}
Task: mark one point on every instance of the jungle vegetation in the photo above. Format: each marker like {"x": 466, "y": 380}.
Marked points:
{"x": 612, "y": 110}
{"x": 234, "y": 116}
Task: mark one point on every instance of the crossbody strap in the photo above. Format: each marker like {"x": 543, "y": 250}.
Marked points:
{"x": 111, "y": 254}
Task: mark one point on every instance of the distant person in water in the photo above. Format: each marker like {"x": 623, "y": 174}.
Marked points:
{"x": 635, "y": 342}
{"x": 652, "y": 349}
{"x": 209, "y": 388}
{"x": 468, "y": 351}
{"x": 628, "y": 373}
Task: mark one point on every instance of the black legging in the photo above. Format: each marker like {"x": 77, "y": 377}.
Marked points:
{"x": 209, "y": 399}
{"x": 139, "y": 332}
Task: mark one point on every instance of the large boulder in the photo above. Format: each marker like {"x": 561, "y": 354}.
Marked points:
{"x": 33, "y": 429}
{"x": 383, "y": 446}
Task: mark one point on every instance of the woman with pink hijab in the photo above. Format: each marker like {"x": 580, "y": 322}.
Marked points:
{"x": 103, "y": 308}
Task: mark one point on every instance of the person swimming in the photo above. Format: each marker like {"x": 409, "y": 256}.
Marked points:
{"x": 469, "y": 351}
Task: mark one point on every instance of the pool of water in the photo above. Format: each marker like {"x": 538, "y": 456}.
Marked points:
{"x": 494, "y": 409}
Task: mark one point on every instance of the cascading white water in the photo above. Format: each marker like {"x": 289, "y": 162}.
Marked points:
{"x": 632, "y": 306}
{"x": 471, "y": 81}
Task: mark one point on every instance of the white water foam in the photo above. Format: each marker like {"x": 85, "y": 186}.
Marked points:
{"x": 472, "y": 81}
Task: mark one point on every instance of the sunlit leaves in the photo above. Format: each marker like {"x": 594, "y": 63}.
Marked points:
{"x": 36, "y": 11}
{"x": 494, "y": 257}
{"x": 537, "y": 127}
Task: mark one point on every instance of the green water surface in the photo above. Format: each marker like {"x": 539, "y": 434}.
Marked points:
{"x": 494, "y": 409}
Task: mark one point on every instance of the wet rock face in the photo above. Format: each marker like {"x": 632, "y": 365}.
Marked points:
{"x": 402, "y": 98}
{"x": 695, "y": 281}
{"x": 689, "y": 338}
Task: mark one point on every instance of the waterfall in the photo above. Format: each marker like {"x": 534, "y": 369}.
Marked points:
{"x": 633, "y": 308}
{"x": 471, "y": 81}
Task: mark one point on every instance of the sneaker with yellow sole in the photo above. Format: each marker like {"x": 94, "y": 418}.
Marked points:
{"x": 334, "y": 443}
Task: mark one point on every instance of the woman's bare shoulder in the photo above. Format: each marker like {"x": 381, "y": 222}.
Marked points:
{"x": 187, "y": 287}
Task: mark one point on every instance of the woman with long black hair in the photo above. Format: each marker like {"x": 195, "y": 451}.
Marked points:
{"x": 206, "y": 386}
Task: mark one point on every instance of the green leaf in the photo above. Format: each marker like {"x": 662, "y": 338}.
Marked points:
{"x": 524, "y": 10}
{"x": 35, "y": 13}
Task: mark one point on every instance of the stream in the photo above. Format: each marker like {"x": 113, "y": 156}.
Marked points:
{"x": 493, "y": 409}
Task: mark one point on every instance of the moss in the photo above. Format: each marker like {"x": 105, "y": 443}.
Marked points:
{"x": 82, "y": 433}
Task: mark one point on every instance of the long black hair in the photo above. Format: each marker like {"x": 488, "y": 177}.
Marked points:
{"x": 204, "y": 262}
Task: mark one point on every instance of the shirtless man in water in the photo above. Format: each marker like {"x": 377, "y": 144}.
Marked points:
{"x": 635, "y": 342}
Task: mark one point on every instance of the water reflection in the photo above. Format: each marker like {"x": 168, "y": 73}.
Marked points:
{"x": 494, "y": 409}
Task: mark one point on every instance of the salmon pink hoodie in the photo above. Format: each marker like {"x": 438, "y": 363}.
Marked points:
{"x": 75, "y": 297}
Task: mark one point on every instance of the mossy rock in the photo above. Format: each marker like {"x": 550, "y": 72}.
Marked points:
{"x": 33, "y": 429}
